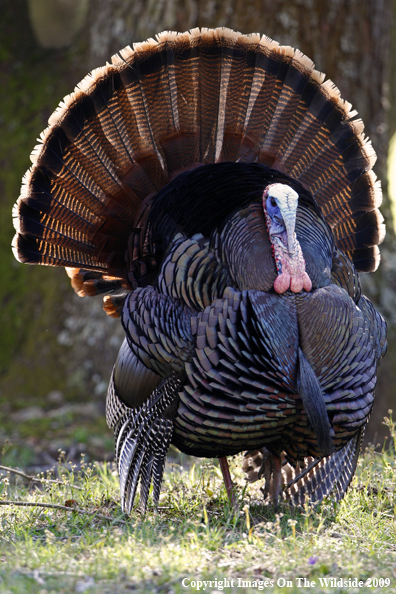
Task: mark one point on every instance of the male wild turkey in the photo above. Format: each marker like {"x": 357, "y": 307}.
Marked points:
{"x": 220, "y": 193}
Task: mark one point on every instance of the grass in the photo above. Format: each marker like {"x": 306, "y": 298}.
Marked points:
{"x": 88, "y": 545}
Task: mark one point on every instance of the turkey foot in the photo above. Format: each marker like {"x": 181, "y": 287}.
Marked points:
{"x": 227, "y": 480}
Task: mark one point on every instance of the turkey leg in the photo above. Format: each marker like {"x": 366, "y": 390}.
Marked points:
{"x": 227, "y": 480}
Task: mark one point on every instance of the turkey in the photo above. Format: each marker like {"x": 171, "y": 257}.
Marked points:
{"x": 219, "y": 193}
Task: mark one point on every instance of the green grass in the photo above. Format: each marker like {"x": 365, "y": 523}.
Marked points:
{"x": 195, "y": 535}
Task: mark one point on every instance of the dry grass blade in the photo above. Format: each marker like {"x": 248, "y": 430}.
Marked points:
{"x": 64, "y": 508}
{"x": 36, "y": 479}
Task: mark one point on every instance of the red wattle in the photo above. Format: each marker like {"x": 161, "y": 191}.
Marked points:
{"x": 296, "y": 284}
{"x": 282, "y": 282}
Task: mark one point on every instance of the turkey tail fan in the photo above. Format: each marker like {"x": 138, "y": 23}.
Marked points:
{"x": 170, "y": 105}
{"x": 142, "y": 436}
{"x": 327, "y": 476}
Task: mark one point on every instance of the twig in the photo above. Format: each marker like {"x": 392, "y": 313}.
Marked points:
{"x": 36, "y": 479}
{"x": 63, "y": 507}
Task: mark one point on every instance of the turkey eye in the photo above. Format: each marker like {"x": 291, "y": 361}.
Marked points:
{"x": 273, "y": 202}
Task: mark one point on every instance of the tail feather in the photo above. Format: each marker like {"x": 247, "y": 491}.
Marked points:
{"x": 104, "y": 88}
{"x": 284, "y": 109}
{"x": 233, "y": 142}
